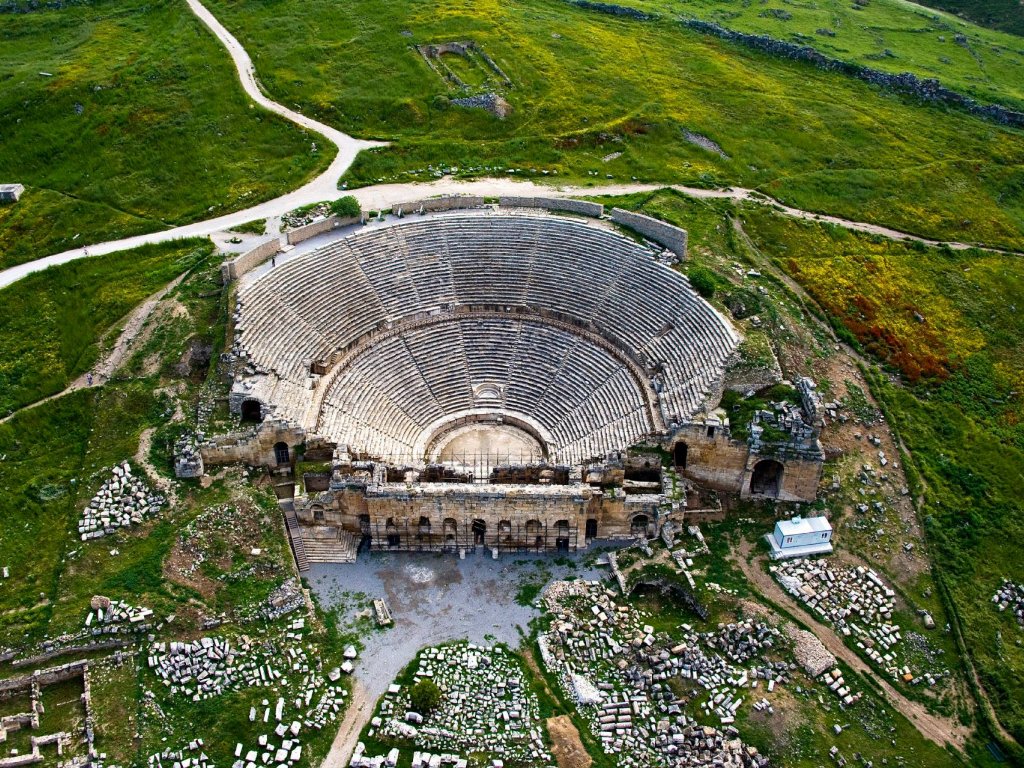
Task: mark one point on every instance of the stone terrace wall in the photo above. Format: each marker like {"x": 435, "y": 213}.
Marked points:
{"x": 307, "y": 231}
{"x": 447, "y": 203}
{"x": 554, "y": 204}
{"x": 234, "y": 269}
{"x": 671, "y": 237}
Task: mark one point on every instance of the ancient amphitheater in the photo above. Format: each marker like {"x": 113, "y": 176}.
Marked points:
{"x": 501, "y": 376}
{"x": 387, "y": 340}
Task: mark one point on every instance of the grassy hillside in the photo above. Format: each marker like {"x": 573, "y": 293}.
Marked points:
{"x": 998, "y": 14}
{"x": 888, "y": 35}
{"x": 139, "y": 124}
{"x": 951, "y": 323}
{"x": 55, "y": 318}
{"x": 599, "y": 96}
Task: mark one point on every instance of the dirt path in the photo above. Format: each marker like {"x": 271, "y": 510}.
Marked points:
{"x": 566, "y": 746}
{"x": 105, "y": 368}
{"x": 357, "y": 715}
{"x": 935, "y": 728}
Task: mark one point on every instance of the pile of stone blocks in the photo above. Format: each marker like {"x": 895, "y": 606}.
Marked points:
{"x": 122, "y": 501}
{"x": 595, "y": 645}
{"x": 1010, "y": 596}
{"x": 855, "y": 599}
{"x": 486, "y": 706}
{"x": 107, "y": 617}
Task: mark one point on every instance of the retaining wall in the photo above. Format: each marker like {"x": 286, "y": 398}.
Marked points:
{"x": 307, "y": 231}
{"x": 671, "y": 237}
{"x": 554, "y": 204}
{"x": 447, "y": 203}
{"x": 238, "y": 266}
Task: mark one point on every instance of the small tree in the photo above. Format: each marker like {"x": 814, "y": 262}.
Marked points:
{"x": 424, "y": 696}
{"x": 346, "y": 207}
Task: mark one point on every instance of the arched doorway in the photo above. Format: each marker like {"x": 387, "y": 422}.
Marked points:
{"x": 591, "y": 529}
{"x": 394, "y": 537}
{"x": 679, "y": 455}
{"x": 479, "y": 529}
{"x": 252, "y": 410}
{"x": 562, "y": 535}
{"x": 281, "y": 453}
{"x": 638, "y": 525}
{"x": 766, "y": 479}
{"x": 504, "y": 531}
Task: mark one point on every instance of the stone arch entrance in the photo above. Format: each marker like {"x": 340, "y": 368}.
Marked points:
{"x": 252, "y": 410}
{"x": 562, "y": 535}
{"x": 638, "y": 525}
{"x": 679, "y": 455}
{"x": 281, "y": 453}
{"x": 766, "y": 479}
{"x": 479, "y": 529}
{"x": 591, "y": 531}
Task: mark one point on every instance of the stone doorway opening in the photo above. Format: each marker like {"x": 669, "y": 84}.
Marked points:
{"x": 766, "y": 479}
{"x": 479, "y": 530}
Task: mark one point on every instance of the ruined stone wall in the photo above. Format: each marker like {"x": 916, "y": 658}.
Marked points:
{"x": 447, "y": 203}
{"x": 234, "y": 269}
{"x": 256, "y": 449}
{"x": 716, "y": 461}
{"x": 671, "y": 237}
{"x": 554, "y": 204}
{"x": 800, "y": 478}
{"x": 926, "y": 89}
{"x": 728, "y": 465}
{"x": 312, "y": 229}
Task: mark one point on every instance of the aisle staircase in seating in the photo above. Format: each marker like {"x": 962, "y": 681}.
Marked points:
{"x": 329, "y": 545}
{"x": 295, "y": 536}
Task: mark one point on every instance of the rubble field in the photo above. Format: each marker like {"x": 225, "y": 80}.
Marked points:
{"x": 861, "y": 606}
{"x": 486, "y": 707}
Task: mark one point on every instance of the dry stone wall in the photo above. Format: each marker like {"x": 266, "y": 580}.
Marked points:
{"x": 554, "y": 204}
{"x": 671, "y": 237}
{"x": 234, "y": 269}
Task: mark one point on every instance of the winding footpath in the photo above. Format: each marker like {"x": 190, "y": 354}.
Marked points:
{"x": 324, "y": 186}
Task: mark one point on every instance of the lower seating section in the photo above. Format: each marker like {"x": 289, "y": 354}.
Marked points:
{"x": 387, "y": 397}
{"x": 329, "y": 299}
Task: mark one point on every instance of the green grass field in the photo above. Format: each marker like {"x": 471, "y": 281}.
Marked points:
{"x": 887, "y": 35}
{"x": 596, "y": 96}
{"x": 54, "y": 321}
{"x": 998, "y": 14}
{"x": 141, "y": 125}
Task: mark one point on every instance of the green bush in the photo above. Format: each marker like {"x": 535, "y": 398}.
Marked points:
{"x": 345, "y": 207}
{"x": 424, "y": 696}
{"x": 703, "y": 280}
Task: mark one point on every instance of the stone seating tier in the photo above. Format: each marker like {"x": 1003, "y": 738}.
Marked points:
{"x": 588, "y": 400}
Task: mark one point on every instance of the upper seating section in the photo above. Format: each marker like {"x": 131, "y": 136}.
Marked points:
{"x": 323, "y": 301}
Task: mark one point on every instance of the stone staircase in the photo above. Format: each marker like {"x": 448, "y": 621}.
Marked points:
{"x": 295, "y": 536}
{"x": 329, "y": 545}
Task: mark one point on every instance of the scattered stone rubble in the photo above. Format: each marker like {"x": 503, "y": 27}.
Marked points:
{"x": 486, "y": 706}
{"x": 123, "y": 500}
{"x": 182, "y": 758}
{"x": 108, "y": 616}
{"x": 595, "y": 645}
{"x": 299, "y": 696}
{"x": 860, "y": 604}
{"x": 1010, "y": 595}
